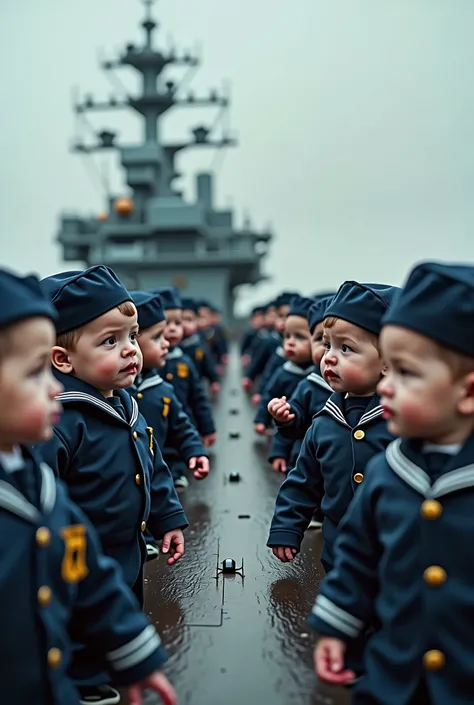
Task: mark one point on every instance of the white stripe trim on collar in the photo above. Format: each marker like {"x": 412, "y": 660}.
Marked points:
{"x": 370, "y": 415}
{"x": 83, "y": 396}
{"x": 48, "y": 488}
{"x": 193, "y": 339}
{"x": 419, "y": 480}
{"x": 295, "y": 369}
{"x": 148, "y": 383}
{"x": 13, "y": 501}
{"x": 317, "y": 379}
{"x": 175, "y": 354}
{"x": 335, "y": 412}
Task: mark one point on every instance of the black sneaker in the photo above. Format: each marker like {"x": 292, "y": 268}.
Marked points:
{"x": 98, "y": 695}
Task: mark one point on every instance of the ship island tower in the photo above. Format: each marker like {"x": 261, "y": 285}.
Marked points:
{"x": 152, "y": 236}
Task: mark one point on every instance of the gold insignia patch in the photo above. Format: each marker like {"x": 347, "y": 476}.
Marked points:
{"x": 149, "y": 430}
{"x": 166, "y": 406}
{"x": 74, "y": 566}
{"x": 199, "y": 354}
{"x": 182, "y": 369}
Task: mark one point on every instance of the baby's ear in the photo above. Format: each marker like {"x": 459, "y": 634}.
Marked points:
{"x": 61, "y": 361}
{"x": 466, "y": 403}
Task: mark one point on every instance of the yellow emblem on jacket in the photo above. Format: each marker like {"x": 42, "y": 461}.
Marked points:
{"x": 182, "y": 369}
{"x": 74, "y": 566}
{"x": 199, "y": 354}
{"x": 149, "y": 430}
{"x": 166, "y": 406}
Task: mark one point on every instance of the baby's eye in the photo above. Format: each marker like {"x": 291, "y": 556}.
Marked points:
{"x": 110, "y": 341}
{"x": 133, "y": 337}
{"x": 346, "y": 348}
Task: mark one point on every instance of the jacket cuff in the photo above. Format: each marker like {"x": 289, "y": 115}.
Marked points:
{"x": 280, "y": 537}
{"x": 134, "y": 661}
{"x": 177, "y": 520}
{"x": 329, "y": 619}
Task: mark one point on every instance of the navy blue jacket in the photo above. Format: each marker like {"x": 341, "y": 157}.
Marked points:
{"x": 282, "y": 384}
{"x": 283, "y": 448}
{"x": 216, "y": 339}
{"x": 197, "y": 349}
{"x": 276, "y": 361}
{"x": 265, "y": 344}
{"x": 308, "y": 398}
{"x": 329, "y": 469}
{"x": 172, "y": 427}
{"x": 247, "y": 340}
{"x": 181, "y": 372}
{"x": 403, "y": 566}
{"x": 56, "y": 586}
{"x": 114, "y": 471}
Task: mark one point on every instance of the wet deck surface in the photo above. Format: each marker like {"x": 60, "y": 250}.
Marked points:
{"x": 237, "y": 640}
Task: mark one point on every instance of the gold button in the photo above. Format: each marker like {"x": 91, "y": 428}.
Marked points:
{"x": 358, "y": 477}
{"x": 139, "y": 395}
{"x": 54, "y": 657}
{"x": 434, "y": 575}
{"x": 45, "y": 596}
{"x": 43, "y": 536}
{"x": 431, "y": 509}
{"x": 169, "y": 375}
{"x": 143, "y": 525}
{"x": 138, "y": 480}
{"x": 434, "y": 660}
{"x": 359, "y": 435}
{"x": 135, "y": 435}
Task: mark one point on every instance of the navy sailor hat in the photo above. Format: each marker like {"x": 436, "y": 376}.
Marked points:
{"x": 300, "y": 306}
{"x": 169, "y": 296}
{"x": 149, "y": 307}
{"x": 363, "y": 305}
{"x": 81, "y": 296}
{"x": 317, "y": 311}
{"x": 437, "y": 301}
{"x": 22, "y": 298}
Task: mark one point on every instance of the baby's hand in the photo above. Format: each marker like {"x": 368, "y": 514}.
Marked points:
{"x": 200, "y": 466}
{"x": 279, "y": 465}
{"x": 260, "y": 428}
{"x": 173, "y": 543}
{"x": 280, "y": 410}
{"x": 247, "y": 383}
{"x": 156, "y": 681}
{"x": 329, "y": 661}
{"x": 209, "y": 440}
{"x": 284, "y": 553}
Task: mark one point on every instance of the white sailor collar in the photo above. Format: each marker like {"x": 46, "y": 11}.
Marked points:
{"x": 193, "y": 339}
{"x": 13, "y": 501}
{"x": 153, "y": 379}
{"x": 334, "y": 407}
{"x": 295, "y": 369}
{"x": 406, "y": 461}
{"x": 175, "y": 354}
{"x": 78, "y": 391}
{"x": 319, "y": 381}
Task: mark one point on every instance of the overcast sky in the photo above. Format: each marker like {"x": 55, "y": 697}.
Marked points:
{"x": 355, "y": 120}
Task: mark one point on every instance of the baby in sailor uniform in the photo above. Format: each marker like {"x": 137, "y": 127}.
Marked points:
{"x": 56, "y": 585}
{"x": 194, "y": 345}
{"x": 175, "y": 433}
{"x": 346, "y": 432}
{"x": 180, "y": 370}
{"x": 403, "y": 557}
{"x": 102, "y": 447}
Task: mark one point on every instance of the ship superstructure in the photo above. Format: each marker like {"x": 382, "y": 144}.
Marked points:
{"x": 153, "y": 236}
